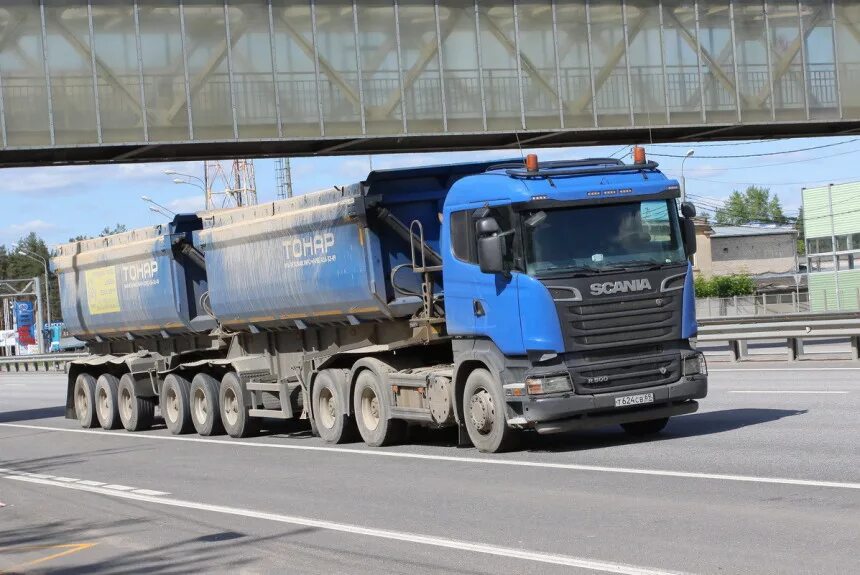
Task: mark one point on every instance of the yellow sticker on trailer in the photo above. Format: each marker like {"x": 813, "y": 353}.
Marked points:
{"x": 102, "y": 295}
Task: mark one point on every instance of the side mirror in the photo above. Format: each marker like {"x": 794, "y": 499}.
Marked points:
{"x": 688, "y": 234}
{"x": 486, "y": 227}
{"x": 491, "y": 254}
{"x": 688, "y": 210}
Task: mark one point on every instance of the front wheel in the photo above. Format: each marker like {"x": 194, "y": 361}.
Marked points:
{"x": 484, "y": 412}
{"x": 645, "y": 428}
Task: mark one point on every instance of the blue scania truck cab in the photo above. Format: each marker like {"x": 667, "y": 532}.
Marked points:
{"x": 494, "y": 297}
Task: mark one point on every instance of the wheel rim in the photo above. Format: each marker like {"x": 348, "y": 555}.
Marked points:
{"x": 327, "y": 408}
{"x": 482, "y": 411}
{"x": 81, "y": 403}
{"x": 369, "y": 408}
{"x": 231, "y": 407}
{"x": 200, "y": 406}
{"x": 103, "y": 404}
{"x": 171, "y": 404}
{"x": 125, "y": 407}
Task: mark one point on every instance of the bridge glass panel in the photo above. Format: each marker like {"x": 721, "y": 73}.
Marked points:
{"x": 25, "y": 92}
{"x": 253, "y": 82}
{"x": 848, "y": 43}
{"x": 645, "y": 54}
{"x": 574, "y": 64}
{"x": 820, "y": 59}
{"x": 463, "y": 82}
{"x": 537, "y": 42}
{"x": 380, "y": 72}
{"x": 163, "y": 70}
{"x": 752, "y": 57}
{"x": 206, "y": 59}
{"x": 499, "y": 60}
{"x": 682, "y": 62}
{"x": 787, "y": 65}
{"x": 718, "y": 61}
{"x": 609, "y": 54}
{"x": 298, "y": 93}
{"x": 117, "y": 71}
{"x": 420, "y": 62}
{"x": 336, "y": 43}
{"x": 69, "y": 63}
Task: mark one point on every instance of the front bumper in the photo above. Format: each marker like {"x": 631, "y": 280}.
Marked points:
{"x": 569, "y": 411}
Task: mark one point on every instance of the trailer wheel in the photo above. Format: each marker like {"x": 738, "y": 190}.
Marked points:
{"x": 175, "y": 404}
{"x": 234, "y": 408}
{"x": 204, "y": 407}
{"x": 645, "y": 428}
{"x": 372, "y": 412}
{"x": 332, "y": 425}
{"x": 484, "y": 412}
{"x": 136, "y": 413}
{"x": 85, "y": 405}
{"x": 107, "y": 408}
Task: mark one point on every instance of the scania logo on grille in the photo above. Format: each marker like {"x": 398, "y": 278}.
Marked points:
{"x": 608, "y": 288}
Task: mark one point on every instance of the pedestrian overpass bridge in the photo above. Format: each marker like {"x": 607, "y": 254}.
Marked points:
{"x": 145, "y": 80}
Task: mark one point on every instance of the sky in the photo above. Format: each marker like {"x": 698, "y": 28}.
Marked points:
{"x": 60, "y": 202}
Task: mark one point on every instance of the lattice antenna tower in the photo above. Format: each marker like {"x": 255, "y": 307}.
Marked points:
{"x": 284, "y": 178}
{"x": 232, "y": 189}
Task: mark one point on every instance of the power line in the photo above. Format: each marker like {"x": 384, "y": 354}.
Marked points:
{"x": 796, "y": 161}
{"x": 848, "y": 179}
{"x": 760, "y": 155}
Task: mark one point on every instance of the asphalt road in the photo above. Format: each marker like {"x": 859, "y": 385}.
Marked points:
{"x": 764, "y": 479}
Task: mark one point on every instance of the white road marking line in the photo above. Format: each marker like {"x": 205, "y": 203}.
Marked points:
{"x": 489, "y": 460}
{"x": 150, "y": 492}
{"x": 66, "y": 479}
{"x": 786, "y": 391}
{"x": 90, "y": 483}
{"x": 116, "y": 487}
{"x": 404, "y": 536}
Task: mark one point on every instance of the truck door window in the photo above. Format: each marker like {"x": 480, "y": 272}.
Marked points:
{"x": 463, "y": 240}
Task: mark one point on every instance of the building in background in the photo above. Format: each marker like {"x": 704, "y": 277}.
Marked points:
{"x": 766, "y": 252}
{"x": 831, "y": 220}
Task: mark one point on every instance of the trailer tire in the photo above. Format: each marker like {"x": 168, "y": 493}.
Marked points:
{"x": 107, "y": 408}
{"x": 85, "y": 402}
{"x": 175, "y": 404}
{"x": 372, "y": 412}
{"x": 232, "y": 397}
{"x": 484, "y": 412}
{"x": 204, "y": 406}
{"x": 136, "y": 413}
{"x": 333, "y": 426}
{"x": 645, "y": 428}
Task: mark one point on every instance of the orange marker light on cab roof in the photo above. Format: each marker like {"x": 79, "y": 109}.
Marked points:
{"x": 532, "y": 162}
{"x": 638, "y": 155}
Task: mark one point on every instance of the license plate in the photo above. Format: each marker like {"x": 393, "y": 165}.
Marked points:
{"x": 637, "y": 399}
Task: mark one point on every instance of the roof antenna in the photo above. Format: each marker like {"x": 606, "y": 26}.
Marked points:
{"x": 520, "y": 146}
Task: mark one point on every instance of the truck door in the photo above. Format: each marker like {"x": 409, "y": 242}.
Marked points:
{"x": 479, "y": 304}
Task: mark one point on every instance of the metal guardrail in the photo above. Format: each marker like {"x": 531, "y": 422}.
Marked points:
{"x": 46, "y": 362}
{"x": 793, "y": 328}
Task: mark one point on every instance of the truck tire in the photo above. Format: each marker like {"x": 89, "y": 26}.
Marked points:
{"x": 204, "y": 407}
{"x": 645, "y": 428}
{"x": 107, "y": 408}
{"x": 371, "y": 409}
{"x": 174, "y": 403}
{"x": 85, "y": 402}
{"x": 232, "y": 397}
{"x": 332, "y": 425}
{"x": 136, "y": 413}
{"x": 484, "y": 414}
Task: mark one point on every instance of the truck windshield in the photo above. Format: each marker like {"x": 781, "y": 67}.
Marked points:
{"x": 604, "y": 238}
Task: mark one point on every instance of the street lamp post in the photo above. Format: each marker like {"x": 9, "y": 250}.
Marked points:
{"x": 683, "y": 179}
{"x": 34, "y": 257}
{"x": 149, "y": 200}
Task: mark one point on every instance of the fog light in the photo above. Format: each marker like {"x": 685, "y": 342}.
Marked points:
{"x": 695, "y": 365}
{"x": 554, "y": 384}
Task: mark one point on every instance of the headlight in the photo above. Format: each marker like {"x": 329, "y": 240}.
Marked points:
{"x": 553, "y": 384}
{"x": 695, "y": 365}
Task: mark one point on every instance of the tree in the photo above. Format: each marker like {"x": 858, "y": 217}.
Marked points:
{"x": 117, "y": 229}
{"x": 724, "y": 286}
{"x": 753, "y": 205}
{"x": 16, "y": 265}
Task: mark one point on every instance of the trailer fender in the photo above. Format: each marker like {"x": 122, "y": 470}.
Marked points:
{"x": 142, "y": 365}
{"x": 377, "y": 366}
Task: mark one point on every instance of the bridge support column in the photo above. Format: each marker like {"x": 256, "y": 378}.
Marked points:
{"x": 795, "y": 348}
{"x": 738, "y": 349}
